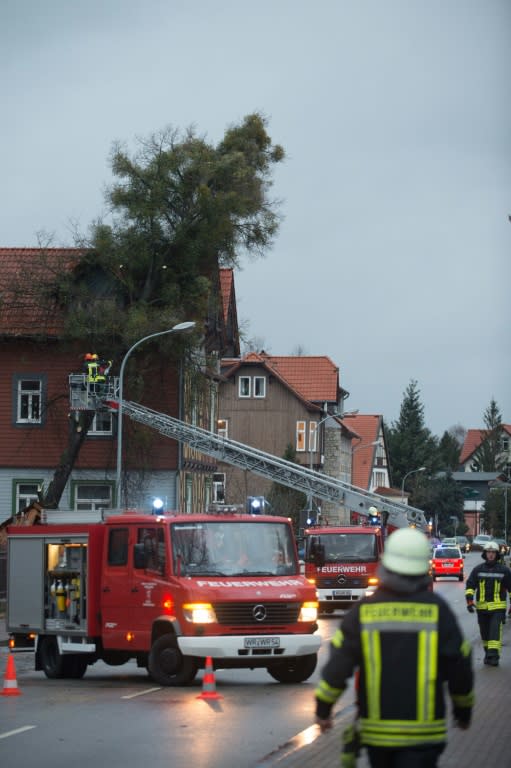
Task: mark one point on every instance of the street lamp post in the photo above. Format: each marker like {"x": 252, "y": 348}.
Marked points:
{"x": 365, "y": 445}
{"x": 411, "y": 472}
{"x": 179, "y": 327}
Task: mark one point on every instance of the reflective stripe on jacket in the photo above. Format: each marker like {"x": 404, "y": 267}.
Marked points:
{"x": 406, "y": 647}
{"x": 487, "y": 586}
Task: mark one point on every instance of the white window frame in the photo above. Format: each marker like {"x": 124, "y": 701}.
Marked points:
{"x": 22, "y": 500}
{"x": 88, "y": 502}
{"x": 95, "y": 430}
{"x": 219, "y": 487}
{"x": 259, "y": 385}
{"x": 300, "y": 436}
{"x": 313, "y": 436}
{"x": 31, "y": 397}
{"x": 222, "y": 428}
{"x": 244, "y": 380}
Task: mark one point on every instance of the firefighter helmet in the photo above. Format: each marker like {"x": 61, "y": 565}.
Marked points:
{"x": 491, "y": 546}
{"x": 94, "y": 357}
{"x": 88, "y": 356}
{"x": 407, "y": 552}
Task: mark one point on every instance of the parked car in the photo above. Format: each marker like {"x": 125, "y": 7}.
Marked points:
{"x": 503, "y": 546}
{"x": 447, "y": 561}
{"x": 480, "y": 540}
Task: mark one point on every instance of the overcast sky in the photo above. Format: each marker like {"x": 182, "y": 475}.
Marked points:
{"x": 394, "y": 254}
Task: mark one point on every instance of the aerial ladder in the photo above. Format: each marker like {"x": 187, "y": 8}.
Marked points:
{"x": 312, "y": 483}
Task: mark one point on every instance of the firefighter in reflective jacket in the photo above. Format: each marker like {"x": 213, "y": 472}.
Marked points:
{"x": 489, "y": 583}
{"x": 403, "y": 643}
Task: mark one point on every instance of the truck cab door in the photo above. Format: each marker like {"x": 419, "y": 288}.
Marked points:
{"x": 116, "y": 588}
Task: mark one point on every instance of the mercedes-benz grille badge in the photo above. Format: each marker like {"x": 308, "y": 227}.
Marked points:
{"x": 341, "y": 579}
{"x": 259, "y": 612}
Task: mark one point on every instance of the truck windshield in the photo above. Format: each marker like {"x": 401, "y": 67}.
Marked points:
{"x": 344, "y": 546}
{"x": 233, "y": 548}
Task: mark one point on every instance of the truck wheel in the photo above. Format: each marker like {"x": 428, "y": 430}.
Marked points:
{"x": 74, "y": 666}
{"x": 52, "y": 662}
{"x": 294, "y": 670}
{"x": 168, "y": 666}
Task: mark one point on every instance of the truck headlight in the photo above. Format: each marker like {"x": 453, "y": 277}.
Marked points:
{"x": 308, "y": 612}
{"x": 199, "y": 613}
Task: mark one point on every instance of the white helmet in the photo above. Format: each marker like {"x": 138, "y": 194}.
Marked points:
{"x": 407, "y": 552}
{"x": 491, "y": 545}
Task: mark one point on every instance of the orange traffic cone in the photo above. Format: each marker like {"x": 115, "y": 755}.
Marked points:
{"x": 208, "y": 682}
{"x": 10, "y": 684}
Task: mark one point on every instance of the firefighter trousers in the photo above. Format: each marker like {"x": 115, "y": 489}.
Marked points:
{"x": 490, "y": 628}
{"x": 426, "y": 757}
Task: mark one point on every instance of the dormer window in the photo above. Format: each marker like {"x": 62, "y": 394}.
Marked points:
{"x": 259, "y": 386}
{"x": 252, "y": 386}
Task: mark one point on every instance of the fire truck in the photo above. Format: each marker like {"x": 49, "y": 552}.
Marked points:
{"x": 166, "y": 600}
{"x": 343, "y": 562}
{"x": 168, "y": 591}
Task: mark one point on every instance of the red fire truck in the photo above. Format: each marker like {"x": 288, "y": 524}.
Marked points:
{"x": 168, "y": 591}
{"x": 342, "y": 562}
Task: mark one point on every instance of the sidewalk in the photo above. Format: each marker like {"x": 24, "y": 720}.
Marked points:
{"x": 485, "y": 742}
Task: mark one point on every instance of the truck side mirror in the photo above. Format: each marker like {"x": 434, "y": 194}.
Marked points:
{"x": 139, "y": 556}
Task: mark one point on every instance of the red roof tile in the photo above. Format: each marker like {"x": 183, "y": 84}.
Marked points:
{"x": 368, "y": 428}
{"x": 315, "y": 378}
{"x": 23, "y": 271}
{"x": 226, "y": 290}
{"x": 473, "y": 439}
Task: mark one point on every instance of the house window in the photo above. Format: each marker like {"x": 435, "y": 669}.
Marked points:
{"x": 222, "y": 428}
{"x": 504, "y": 444}
{"x": 25, "y": 493}
{"x": 102, "y": 424}
{"x": 300, "y": 435}
{"x": 379, "y": 479}
{"x": 313, "y": 436}
{"x": 29, "y": 400}
{"x": 244, "y": 386}
{"x": 188, "y": 494}
{"x": 92, "y": 496}
{"x": 219, "y": 487}
{"x": 259, "y": 386}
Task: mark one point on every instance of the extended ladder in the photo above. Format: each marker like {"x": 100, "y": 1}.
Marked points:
{"x": 278, "y": 470}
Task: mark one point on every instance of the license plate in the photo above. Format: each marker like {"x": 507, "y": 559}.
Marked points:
{"x": 262, "y": 642}
{"x": 342, "y": 592}
{"x": 448, "y": 565}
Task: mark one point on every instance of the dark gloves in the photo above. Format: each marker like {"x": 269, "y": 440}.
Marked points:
{"x": 471, "y": 607}
{"x": 462, "y": 717}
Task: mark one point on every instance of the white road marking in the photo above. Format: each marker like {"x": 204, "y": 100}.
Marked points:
{"x": 18, "y": 730}
{"x": 140, "y": 693}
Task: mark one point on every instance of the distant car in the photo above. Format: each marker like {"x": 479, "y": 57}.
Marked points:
{"x": 479, "y": 541}
{"x": 449, "y": 542}
{"x": 463, "y": 543}
{"x": 447, "y": 561}
{"x": 503, "y": 546}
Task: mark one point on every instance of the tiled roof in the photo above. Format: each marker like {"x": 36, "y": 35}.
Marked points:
{"x": 23, "y": 271}
{"x": 313, "y": 379}
{"x": 473, "y": 439}
{"x": 367, "y": 427}
{"x": 226, "y": 290}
